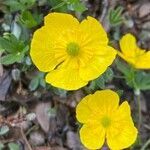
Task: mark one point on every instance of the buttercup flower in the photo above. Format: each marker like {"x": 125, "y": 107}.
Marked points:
{"x": 103, "y": 118}
{"x": 134, "y": 55}
{"x": 72, "y": 53}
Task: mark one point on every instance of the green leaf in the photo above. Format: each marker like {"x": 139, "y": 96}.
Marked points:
{"x": 92, "y": 86}
{"x": 10, "y": 59}
{"x": 79, "y": 7}
{"x": 73, "y": 1}
{"x": 22, "y": 5}
{"x": 123, "y": 68}
{"x": 3, "y": 130}
{"x": 42, "y": 83}
{"x": 11, "y": 44}
{"x": 61, "y": 92}
{"x": 34, "y": 84}
{"x": 28, "y": 3}
{"x": 58, "y": 5}
{"x": 36, "y": 81}
{"x": 14, "y": 5}
{"x": 115, "y": 16}
{"x": 1, "y": 146}
{"x": 126, "y": 70}
{"x": 27, "y": 19}
{"x": 5, "y": 44}
{"x": 108, "y": 75}
{"x": 38, "y": 18}
{"x": 142, "y": 80}
{"x": 53, "y": 3}
{"x": 100, "y": 82}
{"x": 13, "y": 146}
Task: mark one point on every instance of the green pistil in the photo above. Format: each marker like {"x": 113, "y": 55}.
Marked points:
{"x": 105, "y": 122}
{"x": 73, "y": 49}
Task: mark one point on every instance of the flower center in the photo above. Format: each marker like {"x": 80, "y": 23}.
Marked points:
{"x": 73, "y": 49}
{"x": 106, "y": 121}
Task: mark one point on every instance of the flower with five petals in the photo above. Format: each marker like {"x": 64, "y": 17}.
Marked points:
{"x": 103, "y": 118}
{"x": 71, "y": 52}
{"x": 130, "y": 52}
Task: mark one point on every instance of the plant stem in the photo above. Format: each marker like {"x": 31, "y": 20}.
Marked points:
{"x": 139, "y": 111}
{"x": 138, "y": 97}
{"x": 145, "y": 145}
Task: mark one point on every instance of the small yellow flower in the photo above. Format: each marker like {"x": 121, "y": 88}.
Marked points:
{"x": 134, "y": 55}
{"x": 72, "y": 53}
{"x": 103, "y": 118}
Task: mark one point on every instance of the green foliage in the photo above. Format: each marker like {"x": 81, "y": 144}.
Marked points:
{"x": 65, "y": 5}
{"x": 27, "y": 19}
{"x": 37, "y": 81}
{"x": 115, "y": 16}
{"x": 10, "y": 44}
{"x": 14, "y": 49}
{"x": 1, "y": 146}
{"x": 142, "y": 80}
{"x": 4, "y": 130}
{"x": 76, "y": 5}
{"x": 13, "y": 146}
{"x": 139, "y": 80}
{"x": 61, "y": 92}
{"x": 19, "y": 5}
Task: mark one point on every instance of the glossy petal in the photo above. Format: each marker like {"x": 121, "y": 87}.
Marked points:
{"x": 94, "y": 32}
{"x": 93, "y": 107}
{"x": 130, "y": 60}
{"x": 104, "y": 102}
{"x": 134, "y": 55}
{"x": 43, "y": 54}
{"x": 83, "y": 110}
{"x": 66, "y": 76}
{"x": 122, "y": 132}
{"x": 50, "y": 44}
{"x": 92, "y": 136}
{"x": 98, "y": 63}
{"x": 60, "y": 22}
{"x": 143, "y": 61}
{"x": 128, "y": 45}
{"x": 104, "y": 118}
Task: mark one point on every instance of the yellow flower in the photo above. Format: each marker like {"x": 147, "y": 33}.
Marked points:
{"x": 103, "y": 118}
{"x": 72, "y": 53}
{"x": 134, "y": 55}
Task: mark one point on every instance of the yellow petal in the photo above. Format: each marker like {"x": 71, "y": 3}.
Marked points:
{"x": 92, "y": 136}
{"x": 93, "y": 107}
{"x": 130, "y": 60}
{"x": 48, "y": 47}
{"x": 83, "y": 110}
{"x": 42, "y": 53}
{"x": 93, "y": 31}
{"x": 98, "y": 63}
{"x": 143, "y": 61}
{"x": 128, "y": 45}
{"x": 104, "y": 102}
{"x": 60, "y": 23}
{"x": 122, "y": 132}
{"x": 66, "y": 76}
